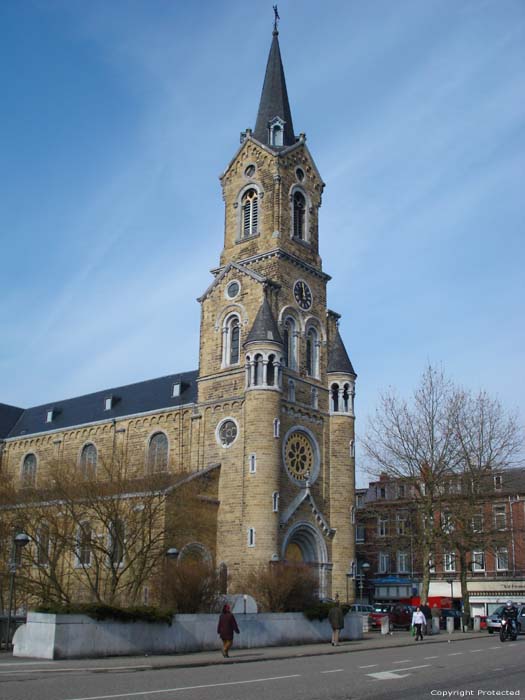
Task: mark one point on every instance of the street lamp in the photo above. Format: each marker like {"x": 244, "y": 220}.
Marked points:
{"x": 19, "y": 540}
{"x": 363, "y": 568}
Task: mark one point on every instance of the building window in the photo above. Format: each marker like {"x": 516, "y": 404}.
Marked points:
{"x": 42, "y": 545}
{"x": 381, "y": 492}
{"x": 175, "y": 390}
{"x": 352, "y": 515}
{"x": 50, "y": 414}
{"x": 299, "y": 216}
{"x": 227, "y": 432}
{"x": 253, "y": 463}
{"x": 500, "y": 518}
{"x": 231, "y": 341}
{"x": 108, "y": 403}
{"x": 276, "y": 427}
{"x": 291, "y": 390}
{"x": 401, "y": 525}
{"x": 446, "y": 522}
{"x": 383, "y": 563}
{"x": 84, "y": 542}
{"x": 478, "y": 561}
{"x": 360, "y": 533}
{"x": 359, "y": 500}
{"x": 250, "y": 206}
{"x": 251, "y": 537}
{"x": 276, "y": 135}
{"x": 28, "y": 476}
{"x": 258, "y": 370}
{"x": 334, "y": 398}
{"x": 382, "y": 525}
{"x": 502, "y": 559}
{"x": 346, "y": 398}
{"x": 449, "y": 562}
{"x": 498, "y": 482}
{"x": 275, "y": 501}
{"x": 116, "y": 542}
{"x": 403, "y": 563}
{"x": 312, "y": 353}
{"x": 290, "y": 343}
{"x": 314, "y": 398}
{"x": 88, "y": 461}
{"x": 477, "y": 522}
{"x": 271, "y": 374}
{"x": 158, "y": 453}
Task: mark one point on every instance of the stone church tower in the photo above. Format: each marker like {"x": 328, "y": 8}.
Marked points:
{"x": 275, "y": 384}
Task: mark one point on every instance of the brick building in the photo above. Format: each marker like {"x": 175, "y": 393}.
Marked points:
{"x": 387, "y": 539}
{"x": 268, "y": 415}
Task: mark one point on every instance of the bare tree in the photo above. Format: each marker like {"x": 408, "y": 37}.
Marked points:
{"x": 415, "y": 443}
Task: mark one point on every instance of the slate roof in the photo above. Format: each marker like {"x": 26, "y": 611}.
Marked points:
{"x": 150, "y": 395}
{"x": 274, "y": 99}
{"x": 338, "y": 360}
{"x": 264, "y": 327}
{"x": 8, "y": 417}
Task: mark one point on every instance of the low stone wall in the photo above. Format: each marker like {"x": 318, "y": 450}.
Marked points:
{"x": 47, "y": 636}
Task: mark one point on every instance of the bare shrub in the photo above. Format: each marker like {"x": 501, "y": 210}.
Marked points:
{"x": 282, "y": 587}
{"x": 190, "y": 586}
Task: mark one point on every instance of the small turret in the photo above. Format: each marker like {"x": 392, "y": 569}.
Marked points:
{"x": 263, "y": 348}
{"x": 341, "y": 378}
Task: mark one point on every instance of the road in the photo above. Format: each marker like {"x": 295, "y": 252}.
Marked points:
{"x": 407, "y": 673}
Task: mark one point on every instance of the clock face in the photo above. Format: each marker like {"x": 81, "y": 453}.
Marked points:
{"x": 302, "y": 294}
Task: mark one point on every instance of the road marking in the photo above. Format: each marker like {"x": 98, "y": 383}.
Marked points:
{"x": 26, "y": 663}
{"x": 403, "y": 661}
{"x": 335, "y": 670}
{"x": 431, "y": 657}
{"x": 72, "y": 670}
{"x": 411, "y": 668}
{"x": 387, "y": 675}
{"x": 369, "y": 666}
{"x": 474, "y": 651}
{"x": 188, "y": 687}
{"x": 494, "y": 647}
{"x": 456, "y": 653}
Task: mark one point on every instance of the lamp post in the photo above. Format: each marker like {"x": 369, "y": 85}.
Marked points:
{"x": 19, "y": 540}
{"x": 363, "y": 568}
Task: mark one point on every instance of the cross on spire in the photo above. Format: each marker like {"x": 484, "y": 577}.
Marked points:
{"x": 276, "y": 18}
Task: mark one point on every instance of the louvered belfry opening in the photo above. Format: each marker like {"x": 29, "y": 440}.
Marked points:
{"x": 250, "y": 206}
{"x": 299, "y": 209}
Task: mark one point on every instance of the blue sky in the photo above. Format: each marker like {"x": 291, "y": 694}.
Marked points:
{"x": 118, "y": 117}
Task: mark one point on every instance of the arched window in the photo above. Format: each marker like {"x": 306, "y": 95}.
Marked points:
{"x": 271, "y": 375}
{"x": 248, "y": 371}
{"x": 312, "y": 353}
{"x": 275, "y": 501}
{"x": 276, "y": 135}
{"x": 231, "y": 341}
{"x": 258, "y": 370}
{"x": 29, "y": 471}
{"x": 291, "y": 390}
{"x": 158, "y": 453}
{"x": 334, "y": 397}
{"x": 315, "y": 398}
{"x": 299, "y": 216}
{"x": 250, "y": 213}
{"x": 116, "y": 542}
{"x": 290, "y": 343}
{"x": 84, "y": 543}
{"x": 346, "y": 398}
{"x": 88, "y": 461}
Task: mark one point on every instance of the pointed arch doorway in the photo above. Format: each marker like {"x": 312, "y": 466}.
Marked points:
{"x": 304, "y": 545}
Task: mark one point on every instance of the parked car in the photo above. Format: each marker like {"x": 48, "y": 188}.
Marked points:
{"x": 449, "y": 612}
{"x": 361, "y": 608}
{"x": 494, "y": 619}
{"x": 399, "y": 615}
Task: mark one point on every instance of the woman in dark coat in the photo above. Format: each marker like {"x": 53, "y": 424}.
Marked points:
{"x": 225, "y": 629}
{"x": 337, "y": 621}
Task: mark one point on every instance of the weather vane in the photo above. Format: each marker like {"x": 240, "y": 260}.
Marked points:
{"x": 276, "y": 17}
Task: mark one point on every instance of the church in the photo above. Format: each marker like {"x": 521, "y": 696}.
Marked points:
{"x": 269, "y": 413}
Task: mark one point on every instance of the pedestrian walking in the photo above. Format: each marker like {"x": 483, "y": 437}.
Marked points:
{"x": 337, "y": 621}
{"x": 225, "y": 629}
{"x": 418, "y": 620}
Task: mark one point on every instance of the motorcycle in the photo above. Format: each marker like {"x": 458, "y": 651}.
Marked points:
{"x": 507, "y": 631}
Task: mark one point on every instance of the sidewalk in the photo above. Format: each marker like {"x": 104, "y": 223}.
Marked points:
{"x": 370, "y": 641}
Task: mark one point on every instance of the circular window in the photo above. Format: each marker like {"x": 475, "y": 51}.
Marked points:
{"x": 233, "y": 289}
{"x": 227, "y": 432}
{"x": 300, "y": 174}
{"x": 301, "y": 455}
{"x": 250, "y": 170}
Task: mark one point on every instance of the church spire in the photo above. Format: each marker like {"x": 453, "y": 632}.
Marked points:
{"x": 274, "y": 120}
